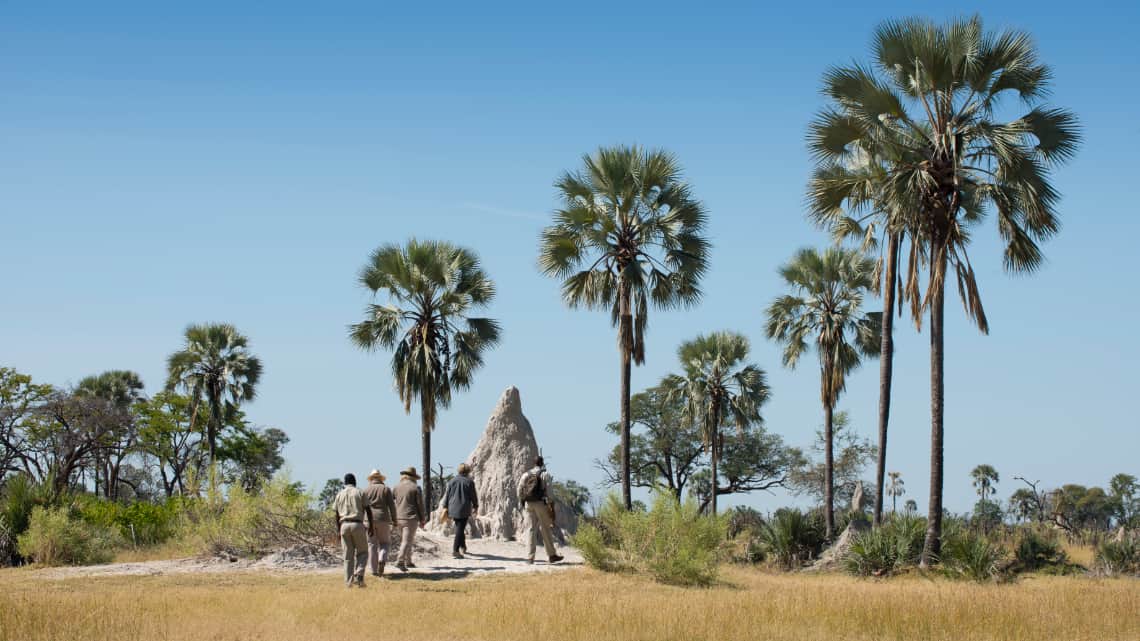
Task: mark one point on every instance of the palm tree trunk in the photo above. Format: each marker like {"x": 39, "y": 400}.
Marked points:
{"x": 425, "y": 425}
{"x": 828, "y": 474}
{"x": 626, "y": 345}
{"x": 933, "y": 544}
{"x": 714, "y": 440}
{"x": 886, "y": 362}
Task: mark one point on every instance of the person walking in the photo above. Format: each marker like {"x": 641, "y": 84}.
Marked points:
{"x": 534, "y": 492}
{"x": 409, "y": 516}
{"x": 383, "y": 506}
{"x": 351, "y": 511}
{"x": 462, "y": 503}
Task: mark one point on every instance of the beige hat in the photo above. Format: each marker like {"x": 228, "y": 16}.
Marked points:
{"x": 375, "y": 474}
{"x": 410, "y": 473}
{"x": 464, "y": 469}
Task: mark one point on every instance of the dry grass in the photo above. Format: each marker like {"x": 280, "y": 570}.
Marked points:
{"x": 578, "y": 604}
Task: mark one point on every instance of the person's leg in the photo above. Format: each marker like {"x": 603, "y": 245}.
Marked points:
{"x": 374, "y": 550}
{"x": 532, "y": 536}
{"x": 348, "y": 552}
{"x": 360, "y": 543}
{"x": 459, "y": 544}
{"x": 383, "y": 535}
{"x": 410, "y": 532}
{"x": 545, "y": 525}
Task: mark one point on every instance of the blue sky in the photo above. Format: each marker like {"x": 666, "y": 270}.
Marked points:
{"x": 164, "y": 165}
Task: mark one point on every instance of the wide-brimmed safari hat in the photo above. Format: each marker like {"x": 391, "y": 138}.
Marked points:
{"x": 375, "y": 474}
{"x": 464, "y": 468}
{"x": 410, "y": 473}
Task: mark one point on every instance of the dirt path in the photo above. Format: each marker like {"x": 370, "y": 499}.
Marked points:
{"x": 433, "y": 558}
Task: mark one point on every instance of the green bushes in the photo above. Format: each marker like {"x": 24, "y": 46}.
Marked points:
{"x": 972, "y": 556}
{"x": 140, "y": 522}
{"x": 671, "y": 541}
{"x": 1118, "y": 557}
{"x": 55, "y": 537}
{"x": 791, "y": 537}
{"x": 887, "y": 549}
{"x": 1035, "y": 551}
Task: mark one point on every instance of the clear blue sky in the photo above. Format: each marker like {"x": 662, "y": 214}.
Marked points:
{"x": 164, "y": 165}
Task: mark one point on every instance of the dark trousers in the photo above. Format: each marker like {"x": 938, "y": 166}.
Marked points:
{"x": 460, "y": 535}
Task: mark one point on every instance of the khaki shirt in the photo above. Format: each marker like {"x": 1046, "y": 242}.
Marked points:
{"x": 409, "y": 501}
{"x": 350, "y": 504}
{"x": 379, "y": 498}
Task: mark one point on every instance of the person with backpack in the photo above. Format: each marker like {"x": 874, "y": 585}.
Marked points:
{"x": 534, "y": 493}
{"x": 461, "y": 503}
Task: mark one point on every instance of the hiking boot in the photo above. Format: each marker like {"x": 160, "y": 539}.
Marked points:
{"x": 457, "y": 555}
{"x": 410, "y": 564}
{"x": 401, "y": 567}
{"x": 556, "y": 558}
{"x": 530, "y": 561}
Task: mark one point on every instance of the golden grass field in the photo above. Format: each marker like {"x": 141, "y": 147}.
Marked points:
{"x": 576, "y": 604}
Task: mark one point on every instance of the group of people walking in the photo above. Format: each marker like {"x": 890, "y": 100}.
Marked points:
{"x": 365, "y": 519}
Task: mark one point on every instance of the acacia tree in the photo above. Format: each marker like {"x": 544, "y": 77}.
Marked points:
{"x": 929, "y": 109}
{"x": 719, "y": 387}
{"x": 431, "y": 287}
{"x": 629, "y": 235}
{"x": 120, "y": 389}
{"x": 168, "y": 434}
{"x": 216, "y": 367}
{"x": 825, "y": 308}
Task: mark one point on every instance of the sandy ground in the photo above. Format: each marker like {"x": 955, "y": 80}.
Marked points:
{"x": 433, "y": 558}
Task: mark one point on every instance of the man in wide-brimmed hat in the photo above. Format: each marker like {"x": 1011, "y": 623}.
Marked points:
{"x": 461, "y": 503}
{"x": 383, "y": 504}
{"x": 409, "y": 515}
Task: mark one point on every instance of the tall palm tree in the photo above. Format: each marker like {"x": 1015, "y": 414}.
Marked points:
{"x": 629, "y": 235}
{"x": 896, "y": 489}
{"x": 985, "y": 477}
{"x": 718, "y": 387}
{"x": 215, "y": 366}
{"x": 847, "y": 197}
{"x": 825, "y": 307}
{"x": 431, "y": 287}
{"x": 930, "y": 107}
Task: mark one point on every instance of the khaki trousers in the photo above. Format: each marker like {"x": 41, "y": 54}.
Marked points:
{"x": 540, "y": 524}
{"x": 354, "y": 544}
{"x": 407, "y": 540}
{"x": 378, "y": 545}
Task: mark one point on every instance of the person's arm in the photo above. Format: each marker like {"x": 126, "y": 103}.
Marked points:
{"x": 388, "y": 498}
{"x": 371, "y": 520}
{"x": 420, "y": 506}
{"x": 474, "y": 500}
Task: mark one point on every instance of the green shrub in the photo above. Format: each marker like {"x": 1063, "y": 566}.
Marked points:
{"x": 140, "y": 522}
{"x": 897, "y": 543}
{"x": 54, "y": 537}
{"x": 671, "y": 541}
{"x": 251, "y": 524}
{"x": 20, "y": 496}
{"x": 972, "y": 556}
{"x": 1118, "y": 557}
{"x": 791, "y": 537}
{"x": 1035, "y": 551}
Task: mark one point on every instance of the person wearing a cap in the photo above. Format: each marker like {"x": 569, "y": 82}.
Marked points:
{"x": 351, "y": 513}
{"x": 383, "y": 505}
{"x": 461, "y": 502}
{"x": 539, "y": 507}
{"x": 409, "y": 515}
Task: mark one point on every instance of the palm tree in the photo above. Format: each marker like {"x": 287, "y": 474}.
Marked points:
{"x": 120, "y": 389}
{"x": 929, "y": 110}
{"x": 911, "y": 506}
{"x": 826, "y": 305}
{"x": 431, "y": 287}
{"x": 985, "y": 477}
{"x": 629, "y": 235}
{"x": 214, "y": 366}
{"x": 896, "y": 489}
{"x": 847, "y": 198}
{"x": 718, "y": 387}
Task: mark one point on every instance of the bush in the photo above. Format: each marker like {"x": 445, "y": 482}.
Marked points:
{"x": 1118, "y": 557}
{"x": 671, "y": 541}
{"x": 54, "y": 537}
{"x": 792, "y": 538}
{"x": 897, "y": 543}
{"x": 251, "y": 524}
{"x": 140, "y": 522}
{"x": 971, "y": 556}
{"x": 20, "y": 496}
{"x": 1035, "y": 551}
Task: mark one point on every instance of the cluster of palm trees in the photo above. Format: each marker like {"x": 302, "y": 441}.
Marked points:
{"x": 911, "y": 152}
